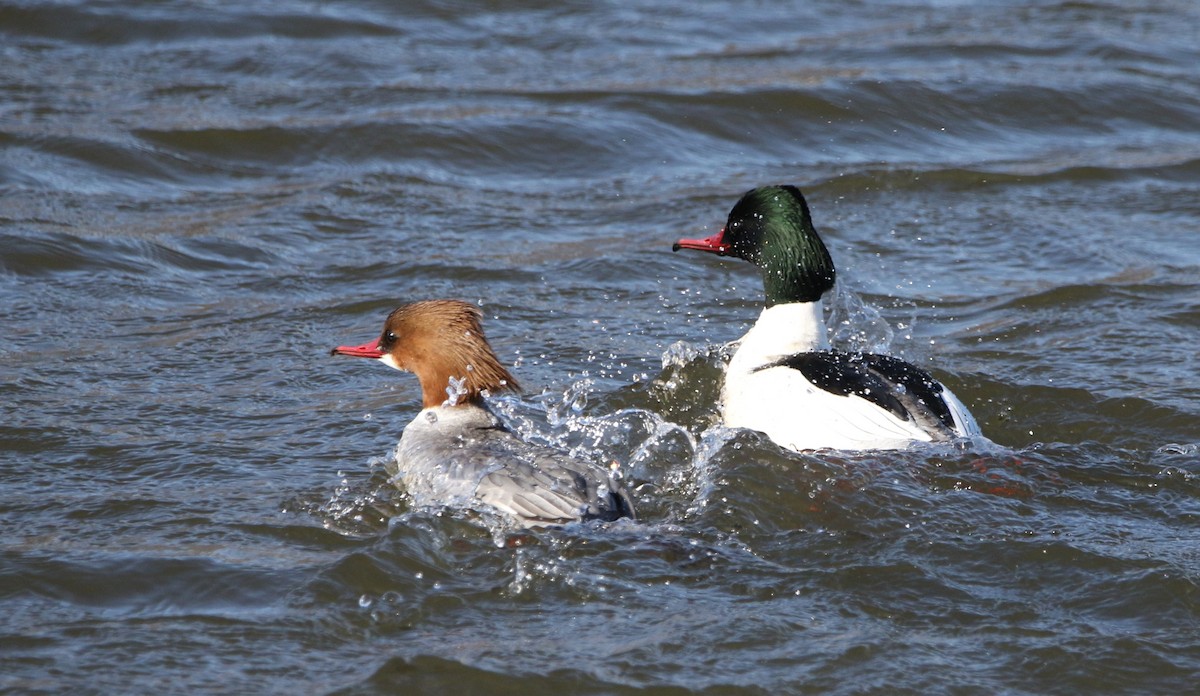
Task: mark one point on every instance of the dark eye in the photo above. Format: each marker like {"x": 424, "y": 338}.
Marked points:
{"x": 389, "y": 337}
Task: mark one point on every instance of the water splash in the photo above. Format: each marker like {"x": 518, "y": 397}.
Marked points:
{"x": 660, "y": 462}
{"x": 360, "y": 505}
{"x": 455, "y": 391}
{"x": 572, "y": 403}
{"x": 680, "y": 354}
{"x": 855, "y": 325}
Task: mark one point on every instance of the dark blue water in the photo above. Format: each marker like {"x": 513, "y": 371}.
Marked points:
{"x": 198, "y": 200}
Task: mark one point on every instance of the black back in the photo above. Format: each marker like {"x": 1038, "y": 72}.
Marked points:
{"x": 901, "y": 388}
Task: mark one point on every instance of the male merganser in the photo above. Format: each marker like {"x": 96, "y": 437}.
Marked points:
{"x": 456, "y": 452}
{"x": 784, "y": 379}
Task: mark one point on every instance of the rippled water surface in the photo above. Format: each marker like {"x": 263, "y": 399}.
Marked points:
{"x": 197, "y": 200}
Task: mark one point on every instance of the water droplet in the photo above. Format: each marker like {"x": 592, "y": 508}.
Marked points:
{"x": 455, "y": 391}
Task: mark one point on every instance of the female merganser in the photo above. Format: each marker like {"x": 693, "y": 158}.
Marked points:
{"x": 456, "y": 452}
{"x": 784, "y": 380}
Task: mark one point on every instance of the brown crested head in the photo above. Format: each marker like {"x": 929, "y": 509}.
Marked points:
{"x": 442, "y": 343}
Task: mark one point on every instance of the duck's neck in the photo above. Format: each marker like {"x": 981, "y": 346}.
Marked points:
{"x": 445, "y": 388}
{"x": 463, "y": 384}
{"x": 796, "y": 271}
{"x": 782, "y": 330}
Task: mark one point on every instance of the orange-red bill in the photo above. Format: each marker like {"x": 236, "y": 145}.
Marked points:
{"x": 366, "y": 350}
{"x": 714, "y": 244}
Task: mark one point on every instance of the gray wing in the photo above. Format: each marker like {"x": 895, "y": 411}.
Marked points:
{"x": 536, "y": 485}
{"x": 541, "y": 486}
